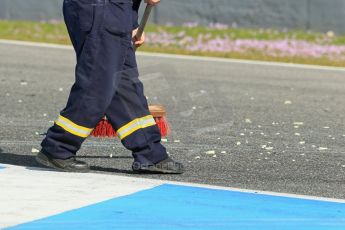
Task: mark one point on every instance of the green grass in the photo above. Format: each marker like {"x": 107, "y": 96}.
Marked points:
{"x": 254, "y": 56}
{"x": 34, "y": 31}
{"x": 56, "y": 33}
{"x": 258, "y": 34}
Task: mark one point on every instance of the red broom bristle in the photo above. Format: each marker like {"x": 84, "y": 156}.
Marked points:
{"x": 163, "y": 126}
{"x": 95, "y": 131}
{"x": 110, "y": 132}
{"x": 104, "y": 128}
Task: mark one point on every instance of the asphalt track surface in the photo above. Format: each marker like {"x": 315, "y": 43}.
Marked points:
{"x": 254, "y": 126}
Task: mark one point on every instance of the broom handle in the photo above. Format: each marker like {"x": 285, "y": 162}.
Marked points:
{"x": 144, "y": 21}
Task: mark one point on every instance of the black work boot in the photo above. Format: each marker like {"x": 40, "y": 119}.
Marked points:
{"x": 68, "y": 165}
{"x": 167, "y": 166}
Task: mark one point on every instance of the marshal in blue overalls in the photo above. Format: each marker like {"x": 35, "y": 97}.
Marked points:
{"x": 106, "y": 83}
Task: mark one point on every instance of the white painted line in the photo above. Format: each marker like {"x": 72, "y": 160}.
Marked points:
{"x": 29, "y": 194}
{"x": 33, "y": 193}
{"x": 35, "y": 44}
{"x": 239, "y": 190}
{"x": 156, "y": 182}
{"x": 239, "y": 61}
{"x": 289, "y": 195}
{"x": 187, "y": 57}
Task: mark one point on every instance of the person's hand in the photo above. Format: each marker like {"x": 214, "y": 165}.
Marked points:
{"x": 136, "y": 40}
{"x": 152, "y": 2}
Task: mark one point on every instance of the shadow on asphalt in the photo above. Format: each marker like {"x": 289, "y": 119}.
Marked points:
{"x": 30, "y": 162}
{"x": 19, "y": 160}
{"x": 111, "y": 170}
{"x": 105, "y": 157}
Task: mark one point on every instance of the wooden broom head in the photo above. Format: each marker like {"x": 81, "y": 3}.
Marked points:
{"x": 157, "y": 110}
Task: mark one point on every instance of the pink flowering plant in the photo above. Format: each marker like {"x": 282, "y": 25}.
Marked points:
{"x": 223, "y": 41}
{"x": 216, "y": 39}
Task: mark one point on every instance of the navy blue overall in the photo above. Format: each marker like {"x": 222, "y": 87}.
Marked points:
{"x": 106, "y": 82}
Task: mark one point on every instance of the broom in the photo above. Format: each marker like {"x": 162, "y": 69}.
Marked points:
{"x": 104, "y": 128}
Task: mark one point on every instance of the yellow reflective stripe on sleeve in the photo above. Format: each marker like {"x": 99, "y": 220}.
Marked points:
{"x": 73, "y": 128}
{"x": 131, "y": 127}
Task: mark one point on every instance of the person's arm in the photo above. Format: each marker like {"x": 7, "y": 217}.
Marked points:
{"x": 152, "y": 2}
{"x": 136, "y": 5}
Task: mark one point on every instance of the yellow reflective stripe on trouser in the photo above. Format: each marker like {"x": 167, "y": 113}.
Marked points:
{"x": 73, "y": 128}
{"x": 131, "y": 127}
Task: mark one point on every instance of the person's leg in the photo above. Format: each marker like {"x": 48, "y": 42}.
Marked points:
{"x": 100, "y": 57}
{"x": 129, "y": 115}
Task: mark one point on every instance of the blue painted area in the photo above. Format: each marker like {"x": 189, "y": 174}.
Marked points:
{"x": 180, "y": 207}
{"x": 1, "y": 167}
